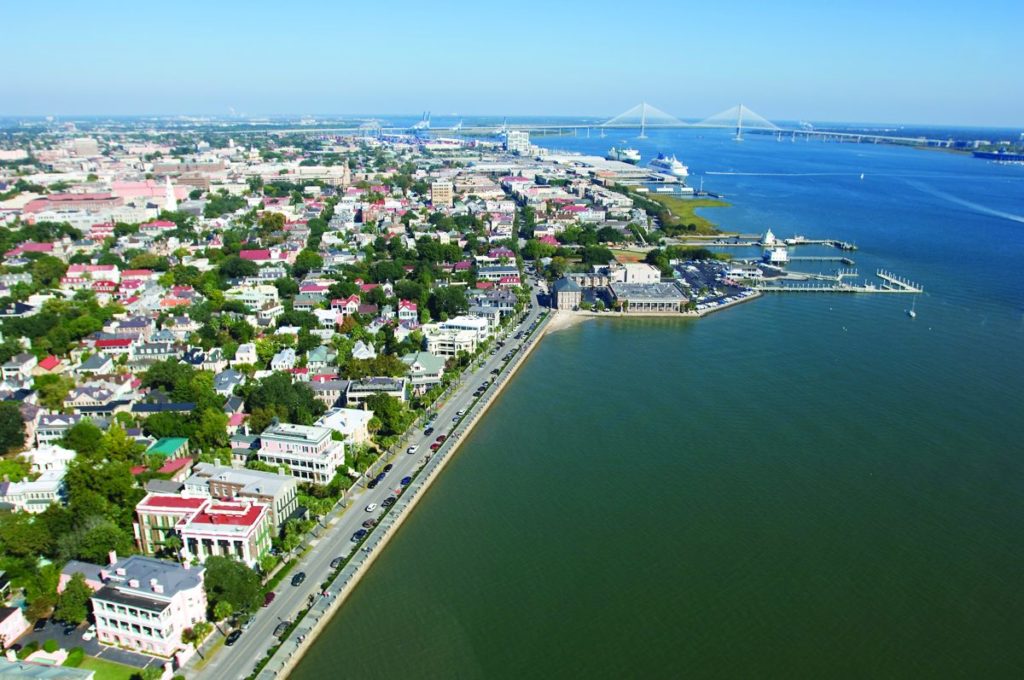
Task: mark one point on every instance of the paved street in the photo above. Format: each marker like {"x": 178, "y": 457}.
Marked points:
{"x": 239, "y": 660}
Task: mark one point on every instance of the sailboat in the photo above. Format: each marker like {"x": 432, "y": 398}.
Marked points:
{"x": 910, "y": 312}
{"x": 862, "y": 175}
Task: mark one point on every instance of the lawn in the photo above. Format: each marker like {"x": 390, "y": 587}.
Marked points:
{"x": 684, "y": 210}
{"x": 108, "y": 670}
{"x": 628, "y": 255}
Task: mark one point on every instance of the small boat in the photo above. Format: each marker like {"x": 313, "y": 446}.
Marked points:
{"x": 862, "y": 175}
{"x": 910, "y": 312}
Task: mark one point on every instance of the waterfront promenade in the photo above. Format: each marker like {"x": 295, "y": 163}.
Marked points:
{"x": 311, "y": 605}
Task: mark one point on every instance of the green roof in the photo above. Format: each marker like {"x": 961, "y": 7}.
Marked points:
{"x": 168, "y": 446}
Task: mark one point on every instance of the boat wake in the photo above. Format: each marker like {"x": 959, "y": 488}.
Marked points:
{"x": 977, "y": 207}
{"x": 783, "y": 174}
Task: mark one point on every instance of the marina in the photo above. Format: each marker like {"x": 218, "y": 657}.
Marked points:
{"x": 890, "y": 284}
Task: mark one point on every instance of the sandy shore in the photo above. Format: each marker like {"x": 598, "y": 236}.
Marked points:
{"x": 564, "y": 318}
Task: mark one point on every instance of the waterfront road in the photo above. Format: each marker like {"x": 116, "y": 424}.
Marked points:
{"x": 239, "y": 660}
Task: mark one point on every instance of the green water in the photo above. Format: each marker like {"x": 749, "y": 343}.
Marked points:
{"x": 686, "y": 508}
{"x": 803, "y": 486}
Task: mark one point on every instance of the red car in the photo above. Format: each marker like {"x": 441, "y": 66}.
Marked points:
{"x": 441, "y": 439}
{"x": 435, "y": 446}
{"x": 268, "y": 598}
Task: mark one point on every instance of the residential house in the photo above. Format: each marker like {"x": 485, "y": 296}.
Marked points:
{"x": 146, "y": 604}
{"x": 425, "y": 371}
{"x": 310, "y": 453}
{"x": 352, "y": 423}
{"x": 359, "y": 390}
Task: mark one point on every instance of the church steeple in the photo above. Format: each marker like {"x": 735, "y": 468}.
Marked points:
{"x": 170, "y": 202}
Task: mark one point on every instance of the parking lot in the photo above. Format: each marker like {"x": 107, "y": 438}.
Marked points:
{"x": 55, "y": 631}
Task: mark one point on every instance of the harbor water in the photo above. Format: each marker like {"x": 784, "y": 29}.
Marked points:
{"x": 802, "y": 486}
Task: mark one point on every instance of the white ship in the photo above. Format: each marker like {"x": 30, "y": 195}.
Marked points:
{"x": 626, "y": 155}
{"x": 669, "y": 165}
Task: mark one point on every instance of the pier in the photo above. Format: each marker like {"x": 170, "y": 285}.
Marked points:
{"x": 890, "y": 284}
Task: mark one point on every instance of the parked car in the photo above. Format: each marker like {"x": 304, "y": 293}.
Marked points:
{"x": 435, "y": 446}
{"x": 281, "y": 628}
{"x": 40, "y": 625}
{"x": 268, "y": 598}
{"x": 370, "y": 523}
{"x": 388, "y": 468}
{"x": 406, "y": 480}
{"x": 387, "y": 503}
{"x": 233, "y": 637}
{"x": 429, "y": 431}
{"x": 359, "y": 535}
{"x": 372, "y": 484}
{"x": 440, "y": 438}
{"x": 336, "y": 562}
{"x": 298, "y": 578}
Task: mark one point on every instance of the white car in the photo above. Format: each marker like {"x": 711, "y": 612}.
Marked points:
{"x": 412, "y": 449}
{"x": 89, "y": 633}
{"x": 371, "y": 507}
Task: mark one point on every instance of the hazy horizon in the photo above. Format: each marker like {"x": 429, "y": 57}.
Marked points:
{"x": 896, "y": 60}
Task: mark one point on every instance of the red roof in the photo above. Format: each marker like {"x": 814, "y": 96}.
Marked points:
{"x": 49, "y": 363}
{"x": 172, "y": 502}
{"x": 175, "y": 464}
{"x": 227, "y": 513}
{"x": 116, "y": 342}
{"x": 263, "y": 254}
{"x": 129, "y": 273}
{"x": 237, "y": 419}
{"x": 484, "y": 285}
{"x": 159, "y": 224}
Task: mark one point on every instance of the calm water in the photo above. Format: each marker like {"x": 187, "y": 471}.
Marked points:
{"x": 802, "y": 486}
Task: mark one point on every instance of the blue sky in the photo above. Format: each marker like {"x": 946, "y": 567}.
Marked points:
{"x": 907, "y": 62}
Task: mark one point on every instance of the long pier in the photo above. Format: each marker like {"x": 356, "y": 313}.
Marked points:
{"x": 890, "y": 284}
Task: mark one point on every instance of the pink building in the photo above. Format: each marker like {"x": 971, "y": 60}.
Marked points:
{"x": 13, "y": 625}
{"x": 145, "y": 604}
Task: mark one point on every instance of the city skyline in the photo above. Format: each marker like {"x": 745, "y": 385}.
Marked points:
{"x": 907, "y": 63}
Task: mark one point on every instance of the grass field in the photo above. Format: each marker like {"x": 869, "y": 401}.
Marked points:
{"x": 625, "y": 256}
{"x": 684, "y": 210}
{"x": 108, "y": 670}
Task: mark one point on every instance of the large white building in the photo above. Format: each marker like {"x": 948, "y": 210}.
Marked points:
{"x": 517, "y": 141}
{"x": 640, "y": 272}
{"x": 309, "y": 453}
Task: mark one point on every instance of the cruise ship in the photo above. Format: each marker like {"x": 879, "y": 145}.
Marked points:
{"x": 625, "y": 155}
{"x": 669, "y": 165}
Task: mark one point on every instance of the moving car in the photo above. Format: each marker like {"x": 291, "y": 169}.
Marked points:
{"x": 298, "y": 578}
{"x": 371, "y": 507}
{"x": 233, "y": 637}
{"x": 412, "y": 449}
{"x": 429, "y": 431}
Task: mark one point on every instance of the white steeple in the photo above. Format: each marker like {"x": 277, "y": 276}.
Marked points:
{"x": 769, "y": 238}
{"x": 170, "y": 202}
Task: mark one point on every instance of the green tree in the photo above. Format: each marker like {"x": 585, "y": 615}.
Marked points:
{"x": 228, "y": 580}
{"x": 305, "y": 262}
{"x": 448, "y": 301}
{"x": 73, "y": 603}
{"x": 83, "y": 437}
{"x": 48, "y": 270}
{"x": 12, "y": 427}
{"x": 393, "y": 414}
{"x": 52, "y": 390}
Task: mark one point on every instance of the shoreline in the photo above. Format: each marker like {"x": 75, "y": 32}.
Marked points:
{"x": 564, "y": 319}
{"x": 398, "y": 516}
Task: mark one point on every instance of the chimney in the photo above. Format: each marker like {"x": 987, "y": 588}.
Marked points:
{"x": 133, "y": 583}
{"x": 112, "y": 556}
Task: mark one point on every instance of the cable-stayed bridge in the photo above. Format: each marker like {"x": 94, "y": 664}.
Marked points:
{"x": 643, "y": 117}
